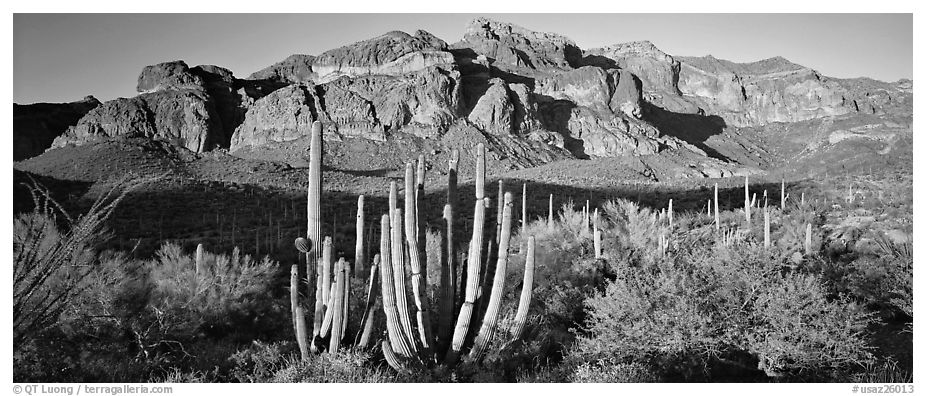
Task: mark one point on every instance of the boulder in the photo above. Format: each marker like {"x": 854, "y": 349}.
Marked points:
{"x": 494, "y": 112}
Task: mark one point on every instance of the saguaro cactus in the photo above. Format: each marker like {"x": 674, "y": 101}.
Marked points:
{"x": 313, "y": 225}
{"x": 748, "y": 204}
{"x": 671, "y": 213}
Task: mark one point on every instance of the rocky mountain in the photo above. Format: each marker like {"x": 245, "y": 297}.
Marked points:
{"x": 536, "y": 91}
{"x": 35, "y": 126}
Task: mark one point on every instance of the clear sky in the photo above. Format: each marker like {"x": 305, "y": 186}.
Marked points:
{"x": 64, "y": 57}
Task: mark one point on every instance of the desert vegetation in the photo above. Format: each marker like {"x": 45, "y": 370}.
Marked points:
{"x": 784, "y": 285}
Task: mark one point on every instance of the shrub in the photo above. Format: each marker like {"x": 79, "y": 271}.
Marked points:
{"x": 701, "y": 304}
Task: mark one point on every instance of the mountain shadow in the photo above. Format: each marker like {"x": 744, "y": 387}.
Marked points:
{"x": 694, "y": 129}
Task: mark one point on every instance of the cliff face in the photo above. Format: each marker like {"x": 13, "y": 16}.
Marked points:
{"x": 501, "y": 79}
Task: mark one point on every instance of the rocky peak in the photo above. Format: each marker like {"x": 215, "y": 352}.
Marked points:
{"x": 392, "y": 53}
{"x": 513, "y": 45}
{"x": 296, "y": 68}
{"x": 167, "y": 75}
{"x": 657, "y": 70}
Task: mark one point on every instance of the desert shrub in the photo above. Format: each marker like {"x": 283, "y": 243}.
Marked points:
{"x": 564, "y": 276}
{"x": 345, "y": 366}
{"x": 51, "y": 262}
{"x": 701, "y": 303}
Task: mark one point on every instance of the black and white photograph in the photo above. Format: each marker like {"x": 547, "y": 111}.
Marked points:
{"x": 461, "y": 197}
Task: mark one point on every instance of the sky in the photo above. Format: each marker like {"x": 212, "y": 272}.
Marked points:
{"x": 64, "y": 57}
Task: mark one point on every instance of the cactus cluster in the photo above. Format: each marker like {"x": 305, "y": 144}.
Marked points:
{"x": 409, "y": 340}
{"x": 413, "y": 344}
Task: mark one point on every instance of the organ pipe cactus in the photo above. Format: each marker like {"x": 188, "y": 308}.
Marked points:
{"x": 550, "y": 213}
{"x": 337, "y": 306}
{"x": 473, "y": 263}
{"x": 200, "y": 263}
{"x": 807, "y": 240}
{"x": 367, "y": 322}
{"x": 403, "y": 347}
{"x": 748, "y": 204}
{"x": 359, "y": 259}
{"x": 527, "y": 291}
{"x": 498, "y": 285}
{"x": 766, "y": 229}
{"x": 716, "y": 210}
{"x": 419, "y": 283}
{"x": 397, "y": 341}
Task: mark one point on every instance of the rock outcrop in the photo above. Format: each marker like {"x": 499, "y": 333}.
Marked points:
{"x": 394, "y": 53}
{"x": 167, "y": 75}
{"x": 758, "y": 93}
{"x": 285, "y": 114}
{"x": 601, "y": 108}
{"x": 184, "y": 117}
{"x": 295, "y": 68}
{"x": 35, "y": 126}
{"x": 494, "y": 112}
{"x": 657, "y": 70}
{"x": 512, "y": 45}
{"x": 423, "y": 103}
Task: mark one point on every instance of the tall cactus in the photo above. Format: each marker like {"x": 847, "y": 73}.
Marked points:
{"x": 199, "y": 264}
{"x": 783, "y": 197}
{"x": 807, "y": 240}
{"x": 421, "y": 230}
{"x": 498, "y": 285}
{"x": 498, "y": 212}
{"x": 393, "y": 325}
{"x": 716, "y": 209}
{"x": 359, "y": 259}
{"x": 767, "y": 239}
{"x": 337, "y": 305}
{"x": 398, "y": 277}
{"x": 473, "y": 263}
{"x": 527, "y": 290}
{"x": 748, "y": 204}
{"x": 419, "y": 284}
{"x": 313, "y": 225}
{"x": 367, "y": 321}
{"x": 448, "y": 293}
{"x": 671, "y": 214}
{"x": 550, "y": 213}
